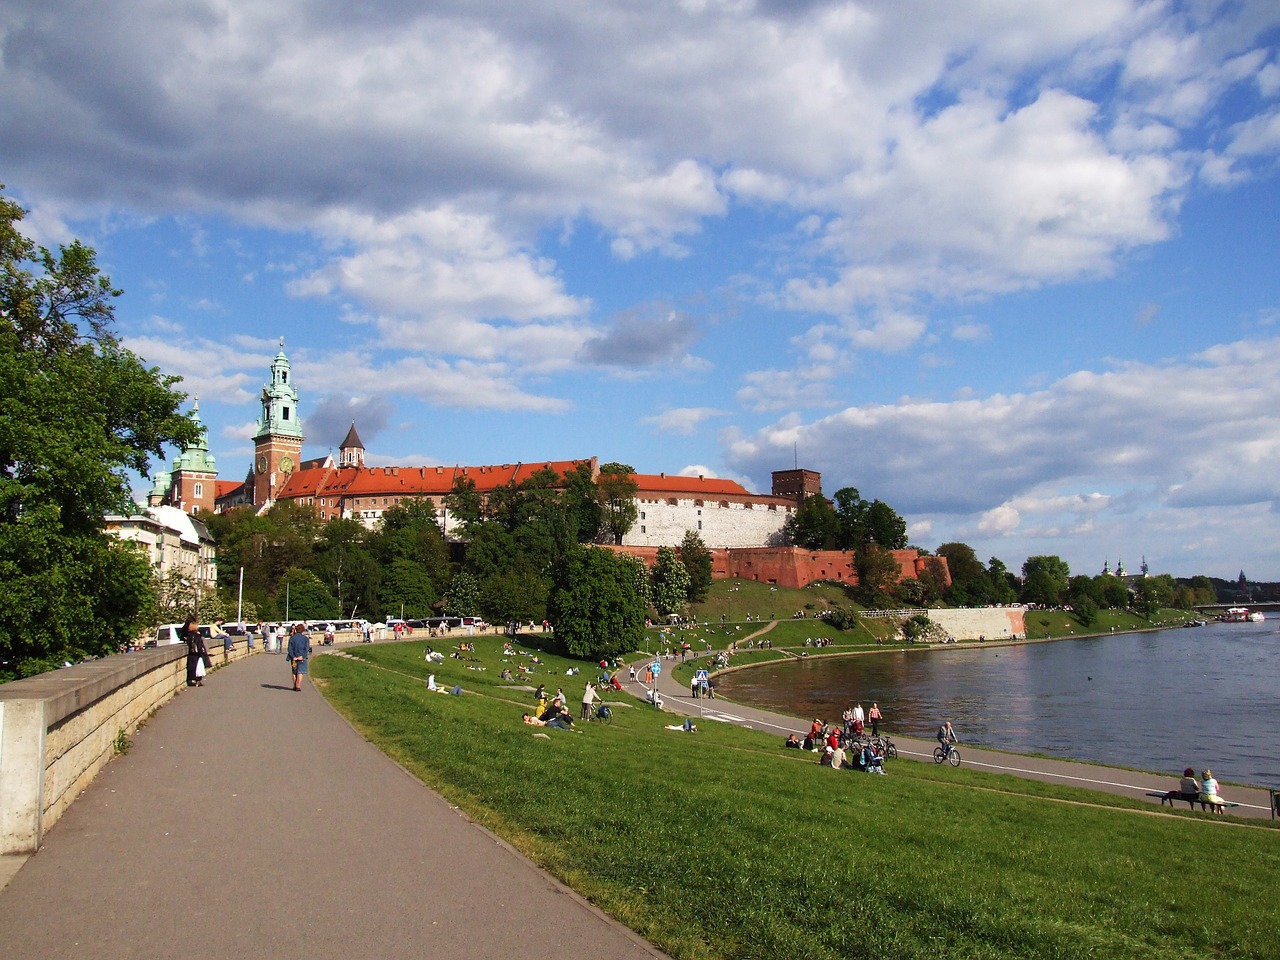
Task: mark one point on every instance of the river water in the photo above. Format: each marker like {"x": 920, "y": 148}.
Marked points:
{"x": 1202, "y": 697}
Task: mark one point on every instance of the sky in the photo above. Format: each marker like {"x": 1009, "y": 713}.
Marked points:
{"x": 1010, "y": 267}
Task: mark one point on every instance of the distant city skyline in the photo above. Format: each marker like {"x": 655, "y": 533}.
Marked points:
{"x": 1009, "y": 268}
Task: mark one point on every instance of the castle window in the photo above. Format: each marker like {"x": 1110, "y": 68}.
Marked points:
{"x": 199, "y": 489}
{"x": 284, "y": 412}
{"x": 641, "y": 514}
{"x": 642, "y": 528}
{"x": 699, "y": 524}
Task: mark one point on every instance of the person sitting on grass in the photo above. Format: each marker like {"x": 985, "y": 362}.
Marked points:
{"x": 553, "y": 722}
{"x": 872, "y": 762}
{"x": 792, "y": 742}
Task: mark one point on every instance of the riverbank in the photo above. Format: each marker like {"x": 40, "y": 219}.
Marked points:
{"x": 1148, "y": 700}
{"x": 720, "y": 844}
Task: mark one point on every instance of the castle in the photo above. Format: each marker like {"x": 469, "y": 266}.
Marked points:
{"x": 744, "y": 530}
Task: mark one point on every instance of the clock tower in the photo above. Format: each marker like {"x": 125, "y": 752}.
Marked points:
{"x": 277, "y": 445}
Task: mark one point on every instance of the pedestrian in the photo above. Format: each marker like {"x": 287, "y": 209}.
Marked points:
{"x": 875, "y": 718}
{"x": 198, "y": 662}
{"x": 298, "y": 653}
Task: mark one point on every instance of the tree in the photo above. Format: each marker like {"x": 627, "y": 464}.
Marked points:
{"x": 885, "y": 527}
{"x": 670, "y": 582}
{"x": 407, "y": 587}
{"x": 1044, "y": 580}
{"x": 617, "y": 493}
{"x": 77, "y": 413}
{"x": 308, "y": 598}
{"x": 851, "y": 512}
{"x": 594, "y": 604}
{"x": 1004, "y": 585}
{"x": 814, "y": 525}
{"x": 878, "y": 573}
{"x": 697, "y": 561}
{"x": 463, "y": 596}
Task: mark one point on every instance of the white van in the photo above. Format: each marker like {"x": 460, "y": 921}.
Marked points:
{"x": 172, "y": 633}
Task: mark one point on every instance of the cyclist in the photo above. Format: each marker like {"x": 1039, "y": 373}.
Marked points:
{"x": 947, "y": 737}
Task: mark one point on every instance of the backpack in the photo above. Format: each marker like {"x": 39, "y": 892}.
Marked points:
{"x": 604, "y": 712}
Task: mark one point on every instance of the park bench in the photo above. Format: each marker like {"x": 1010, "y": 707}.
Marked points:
{"x": 1170, "y": 796}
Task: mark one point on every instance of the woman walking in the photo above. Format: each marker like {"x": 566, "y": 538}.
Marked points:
{"x": 197, "y": 653}
{"x": 298, "y": 652}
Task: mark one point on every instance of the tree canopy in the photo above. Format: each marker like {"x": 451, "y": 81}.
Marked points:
{"x": 78, "y": 412}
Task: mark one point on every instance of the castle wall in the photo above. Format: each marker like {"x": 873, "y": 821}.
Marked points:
{"x": 721, "y": 523}
{"x": 786, "y": 566}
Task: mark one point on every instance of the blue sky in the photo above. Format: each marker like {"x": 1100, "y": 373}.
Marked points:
{"x": 1009, "y": 267}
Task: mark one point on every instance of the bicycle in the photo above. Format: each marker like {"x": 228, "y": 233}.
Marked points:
{"x": 948, "y": 753}
{"x": 603, "y": 713}
{"x": 884, "y": 745}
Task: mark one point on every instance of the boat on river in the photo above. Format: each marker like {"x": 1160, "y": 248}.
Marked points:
{"x": 1242, "y": 615}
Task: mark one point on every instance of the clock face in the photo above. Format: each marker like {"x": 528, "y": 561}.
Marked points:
{"x": 286, "y": 463}
{"x": 262, "y": 463}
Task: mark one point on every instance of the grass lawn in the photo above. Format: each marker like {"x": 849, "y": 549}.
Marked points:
{"x": 721, "y": 844}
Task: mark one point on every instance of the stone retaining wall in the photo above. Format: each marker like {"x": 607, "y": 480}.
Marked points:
{"x": 57, "y": 730}
{"x": 990, "y": 623}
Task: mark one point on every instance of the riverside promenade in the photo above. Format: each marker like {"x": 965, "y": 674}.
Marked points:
{"x": 1253, "y": 803}
{"x": 250, "y": 821}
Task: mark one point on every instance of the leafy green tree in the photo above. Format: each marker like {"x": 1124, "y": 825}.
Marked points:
{"x": 343, "y": 562}
{"x": 697, "y": 562}
{"x": 308, "y": 598}
{"x": 1004, "y": 585}
{"x": 406, "y": 586}
{"x": 1044, "y": 580}
{"x": 851, "y": 518}
{"x": 885, "y": 527}
{"x": 643, "y": 583}
{"x": 463, "y": 596}
{"x": 878, "y": 574}
{"x": 464, "y": 502}
{"x": 518, "y": 594}
{"x": 670, "y": 582}
{"x": 594, "y": 605}
{"x": 617, "y": 495}
{"x": 1085, "y": 610}
{"x": 814, "y": 525}
{"x": 582, "y": 506}
{"x": 1113, "y": 591}
{"x": 410, "y": 531}
{"x": 77, "y": 413}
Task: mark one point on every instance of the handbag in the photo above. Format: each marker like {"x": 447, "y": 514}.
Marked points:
{"x": 200, "y": 667}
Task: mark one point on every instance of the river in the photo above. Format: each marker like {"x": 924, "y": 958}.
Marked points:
{"x": 1202, "y": 697}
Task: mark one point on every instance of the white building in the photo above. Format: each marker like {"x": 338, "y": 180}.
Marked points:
{"x": 174, "y": 542}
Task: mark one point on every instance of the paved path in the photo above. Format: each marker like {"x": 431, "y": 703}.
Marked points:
{"x": 1253, "y": 802}
{"x": 249, "y": 821}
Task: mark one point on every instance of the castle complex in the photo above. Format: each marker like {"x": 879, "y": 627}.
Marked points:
{"x": 745, "y": 531}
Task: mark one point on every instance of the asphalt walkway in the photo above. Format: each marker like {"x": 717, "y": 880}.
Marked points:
{"x": 1252, "y": 802}
{"x": 249, "y": 821}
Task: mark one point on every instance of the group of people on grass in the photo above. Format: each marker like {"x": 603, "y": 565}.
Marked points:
{"x": 829, "y": 743}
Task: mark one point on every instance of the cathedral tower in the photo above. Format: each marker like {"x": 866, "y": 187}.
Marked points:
{"x": 278, "y": 442}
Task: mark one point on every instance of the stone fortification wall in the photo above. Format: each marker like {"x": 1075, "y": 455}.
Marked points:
{"x": 57, "y": 730}
{"x": 750, "y": 522}
{"x": 991, "y": 623}
{"x": 787, "y": 566}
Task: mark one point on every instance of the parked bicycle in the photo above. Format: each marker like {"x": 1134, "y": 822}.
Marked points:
{"x": 884, "y": 745}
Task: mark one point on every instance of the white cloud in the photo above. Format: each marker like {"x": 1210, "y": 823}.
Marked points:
{"x": 1199, "y": 434}
{"x": 682, "y": 421}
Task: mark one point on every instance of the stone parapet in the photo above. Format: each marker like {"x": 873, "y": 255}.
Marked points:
{"x": 58, "y": 729}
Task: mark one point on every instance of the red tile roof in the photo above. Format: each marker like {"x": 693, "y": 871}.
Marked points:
{"x": 707, "y": 486}
{"x": 410, "y": 481}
